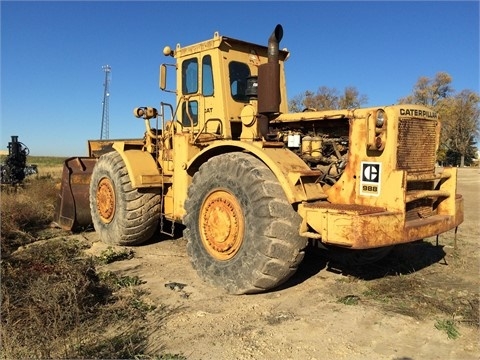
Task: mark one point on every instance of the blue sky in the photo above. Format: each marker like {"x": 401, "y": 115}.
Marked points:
{"x": 52, "y": 55}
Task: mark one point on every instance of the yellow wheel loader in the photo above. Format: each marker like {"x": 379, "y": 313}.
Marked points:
{"x": 251, "y": 182}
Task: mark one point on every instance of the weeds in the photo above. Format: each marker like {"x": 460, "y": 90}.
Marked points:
{"x": 110, "y": 255}
{"x": 349, "y": 300}
{"x": 161, "y": 357}
{"x": 117, "y": 282}
{"x": 124, "y": 346}
{"x": 47, "y": 291}
{"x": 414, "y": 297}
{"x": 55, "y": 305}
{"x": 24, "y": 210}
{"x": 449, "y": 327}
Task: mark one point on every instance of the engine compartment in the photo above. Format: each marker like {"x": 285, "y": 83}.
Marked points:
{"x": 322, "y": 144}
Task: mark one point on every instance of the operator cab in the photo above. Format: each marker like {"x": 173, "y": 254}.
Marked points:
{"x": 218, "y": 82}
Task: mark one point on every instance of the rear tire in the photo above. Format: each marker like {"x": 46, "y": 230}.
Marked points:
{"x": 242, "y": 234}
{"x": 121, "y": 215}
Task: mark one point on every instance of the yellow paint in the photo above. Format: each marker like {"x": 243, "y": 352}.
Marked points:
{"x": 140, "y": 165}
{"x": 353, "y": 212}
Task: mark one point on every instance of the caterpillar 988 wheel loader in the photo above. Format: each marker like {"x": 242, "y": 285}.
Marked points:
{"x": 251, "y": 182}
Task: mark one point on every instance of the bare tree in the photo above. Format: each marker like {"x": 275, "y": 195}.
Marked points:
{"x": 460, "y": 121}
{"x": 459, "y": 113}
{"x": 428, "y": 91}
{"x": 326, "y": 98}
{"x": 351, "y": 98}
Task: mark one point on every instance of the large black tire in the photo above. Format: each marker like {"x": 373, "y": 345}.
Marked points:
{"x": 242, "y": 234}
{"x": 121, "y": 215}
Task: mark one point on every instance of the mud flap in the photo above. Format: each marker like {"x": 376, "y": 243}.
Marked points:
{"x": 72, "y": 210}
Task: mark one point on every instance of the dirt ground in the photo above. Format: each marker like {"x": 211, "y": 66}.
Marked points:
{"x": 390, "y": 310}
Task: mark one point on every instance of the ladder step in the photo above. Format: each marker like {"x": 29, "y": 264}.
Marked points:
{"x": 153, "y": 180}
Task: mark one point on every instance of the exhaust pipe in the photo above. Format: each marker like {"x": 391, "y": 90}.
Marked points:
{"x": 269, "y": 79}
{"x": 273, "y": 44}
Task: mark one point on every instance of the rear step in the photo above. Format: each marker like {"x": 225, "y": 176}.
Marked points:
{"x": 72, "y": 210}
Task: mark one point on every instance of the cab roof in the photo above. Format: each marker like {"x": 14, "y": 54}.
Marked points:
{"x": 218, "y": 41}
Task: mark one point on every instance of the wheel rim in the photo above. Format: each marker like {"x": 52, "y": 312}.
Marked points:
{"x": 221, "y": 225}
{"x": 106, "y": 200}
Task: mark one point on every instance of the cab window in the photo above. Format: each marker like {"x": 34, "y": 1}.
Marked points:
{"x": 190, "y": 76}
{"x": 239, "y": 72}
{"x": 192, "y": 111}
{"x": 207, "y": 76}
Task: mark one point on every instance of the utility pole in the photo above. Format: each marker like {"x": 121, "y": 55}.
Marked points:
{"x": 106, "y": 95}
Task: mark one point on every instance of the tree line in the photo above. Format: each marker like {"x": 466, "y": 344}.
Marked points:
{"x": 459, "y": 112}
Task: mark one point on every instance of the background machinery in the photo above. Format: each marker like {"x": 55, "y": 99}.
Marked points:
{"x": 14, "y": 168}
{"x": 253, "y": 183}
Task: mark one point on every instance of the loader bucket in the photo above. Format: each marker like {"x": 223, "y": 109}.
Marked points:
{"x": 72, "y": 210}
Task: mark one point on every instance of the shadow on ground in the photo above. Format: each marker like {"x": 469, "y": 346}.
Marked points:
{"x": 169, "y": 231}
{"x": 399, "y": 260}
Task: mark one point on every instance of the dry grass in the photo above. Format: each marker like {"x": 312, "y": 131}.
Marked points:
{"x": 414, "y": 280}
{"x": 24, "y": 210}
{"x": 48, "y": 166}
{"x": 54, "y": 172}
{"x": 54, "y": 303}
{"x": 398, "y": 284}
{"x": 29, "y": 208}
{"x": 55, "y": 306}
{"x": 420, "y": 298}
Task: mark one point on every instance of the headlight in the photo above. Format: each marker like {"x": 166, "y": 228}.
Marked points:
{"x": 380, "y": 120}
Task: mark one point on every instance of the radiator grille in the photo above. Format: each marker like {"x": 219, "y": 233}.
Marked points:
{"x": 416, "y": 145}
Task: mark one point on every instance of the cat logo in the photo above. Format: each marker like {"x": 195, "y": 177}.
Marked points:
{"x": 370, "y": 179}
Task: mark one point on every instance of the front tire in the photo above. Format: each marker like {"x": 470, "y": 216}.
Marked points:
{"x": 242, "y": 234}
{"x": 121, "y": 215}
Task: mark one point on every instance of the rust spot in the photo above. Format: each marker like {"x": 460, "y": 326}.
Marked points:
{"x": 72, "y": 209}
{"x": 416, "y": 135}
{"x": 345, "y": 208}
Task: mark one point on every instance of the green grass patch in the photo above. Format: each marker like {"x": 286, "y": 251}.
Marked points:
{"x": 116, "y": 281}
{"x": 448, "y": 326}
{"x": 349, "y": 300}
{"x": 111, "y": 255}
{"x": 46, "y": 161}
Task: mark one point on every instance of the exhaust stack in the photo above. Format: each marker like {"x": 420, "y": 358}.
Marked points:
{"x": 269, "y": 78}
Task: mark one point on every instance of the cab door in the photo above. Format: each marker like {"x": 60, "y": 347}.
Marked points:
{"x": 200, "y": 104}
{"x": 190, "y": 107}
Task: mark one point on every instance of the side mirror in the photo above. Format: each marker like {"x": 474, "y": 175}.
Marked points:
{"x": 163, "y": 77}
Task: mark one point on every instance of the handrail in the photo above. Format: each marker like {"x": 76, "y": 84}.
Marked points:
{"x": 421, "y": 194}
{"x": 428, "y": 177}
{"x": 204, "y": 127}
{"x": 187, "y": 100}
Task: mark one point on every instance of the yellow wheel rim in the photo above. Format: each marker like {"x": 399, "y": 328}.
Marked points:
{"x": 106, "y": 200}
{"x": 222, "y": 225}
